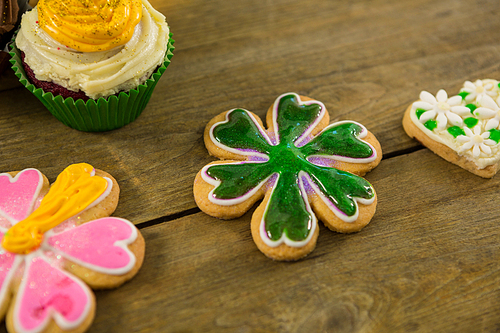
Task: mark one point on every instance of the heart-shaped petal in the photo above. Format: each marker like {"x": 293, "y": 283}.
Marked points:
{"x": 8, "y": 265}
{"x": 241, "y": 134}
{"x": 294, "y": 119}
{"x": 100, "y": 245}
{"x": 18, "y": 194}
{"x": 47, "y": 292}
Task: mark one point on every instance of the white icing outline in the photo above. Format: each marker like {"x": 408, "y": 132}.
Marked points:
{"x": 8, "y": 279}
{"x": 340, "y": 214}
{"x": 60, "y": 321}
{"x": 284, "y": 238}
{"x": 363, "y": 134}
{"x": 35, "y": 197}
{"x": 234, "y": 150}
{"x": 39, "y": 254}
{"x": 123, "y": 244}
{"x": 297, "y": 143}
{"x": 216, "y": 183}
{"x": 307, "y": 132}
{"x": 103, "y": 196}
{"x": 106, "y": 192}
{"x": 94, "y": 203}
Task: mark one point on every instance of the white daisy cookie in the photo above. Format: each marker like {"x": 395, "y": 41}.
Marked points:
{"x": 463, "y": 129}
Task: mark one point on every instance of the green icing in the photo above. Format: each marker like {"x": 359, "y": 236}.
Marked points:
{"x": 241, "y": 132}
{"x": 286, "y": 212}
{"x": 340, "y": 187}
{"x": 419, "y": 112}
{"x": 495, "y": 135}
{"x": 471, "y": 107}
{"x": 471, "y": 122}
{"x": 294, "y": 119}
{"x": 456, "y": 131}
{"x": 238, "y": 179}
{"x": 431, "y": 124}
{"x": 463, "y": 94}
{"x": 337, "y": 141}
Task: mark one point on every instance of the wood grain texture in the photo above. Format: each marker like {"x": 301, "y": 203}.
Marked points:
{"x": 366, "y": 60}
{"x": 428, "y": 262}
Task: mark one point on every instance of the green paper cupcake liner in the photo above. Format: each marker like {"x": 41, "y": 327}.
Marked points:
{"x": 99, "y": 115}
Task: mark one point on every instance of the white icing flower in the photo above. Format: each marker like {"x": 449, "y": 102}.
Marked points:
{"x": 442, "y": 108}
{"x": 476, "y": 140}
{"x": 479, "y": 89}
{"x": 488, "y": 110}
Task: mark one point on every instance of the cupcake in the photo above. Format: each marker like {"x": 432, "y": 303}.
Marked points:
{"x": 92, "y": 63}
{"x": 10, "y": 11}
{"x": 8, "y": 16}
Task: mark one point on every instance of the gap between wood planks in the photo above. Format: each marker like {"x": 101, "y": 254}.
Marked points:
{"x": 196, "y": 210}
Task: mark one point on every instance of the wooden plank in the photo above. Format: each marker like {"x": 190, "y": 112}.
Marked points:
{"x": 362, "y": 59}
{"x": 366, "y": 60}
{"x": 428, "y": 262}
{"x": 429, "y": 259}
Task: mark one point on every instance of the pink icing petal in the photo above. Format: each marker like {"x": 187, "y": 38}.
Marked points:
{"x": 48, "y": 292}
{"x": 100, "y": 245}
{"x": 18, "y": 194}
{"x": 7, "y": 269}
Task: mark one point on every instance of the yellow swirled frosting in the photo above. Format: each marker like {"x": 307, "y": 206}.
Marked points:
{"x": 101, "y": 47}
{"x": 74, "y": 190}
{"x": 90, "y": 25}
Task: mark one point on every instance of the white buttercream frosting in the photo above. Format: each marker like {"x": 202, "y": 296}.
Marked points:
{"x": 97, "y": 74}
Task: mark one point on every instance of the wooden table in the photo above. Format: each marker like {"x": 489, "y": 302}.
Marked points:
{"x": 429, "y": 261}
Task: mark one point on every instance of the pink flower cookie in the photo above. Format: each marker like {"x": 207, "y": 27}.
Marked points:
{"x": 56, "y": 243}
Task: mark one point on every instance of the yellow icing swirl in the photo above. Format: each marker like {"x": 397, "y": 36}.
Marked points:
{"x": 90, "y": 25}
{"x": 73, "y": 191}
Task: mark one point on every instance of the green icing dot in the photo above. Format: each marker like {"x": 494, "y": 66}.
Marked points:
{"x": 471, "y": 107}
{"x": 456, "y": 131}
{"x": 463, "y": 94}
{"x": 471, "y": 122}
{"x": 431, "y": 124}
{"x": 495, "y": 135}
{"x": 420, "y": 112}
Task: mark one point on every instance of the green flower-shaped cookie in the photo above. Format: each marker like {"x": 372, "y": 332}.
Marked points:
{"x": 297, "y": 165}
